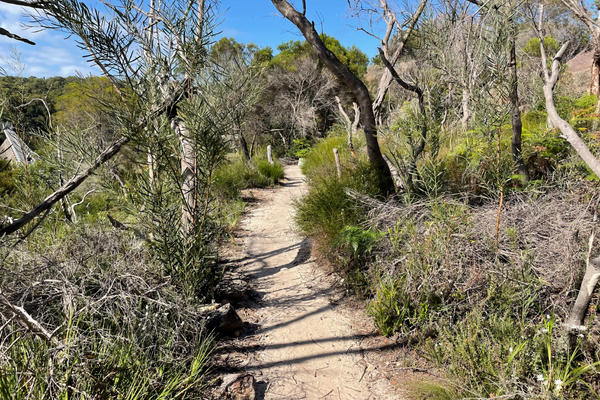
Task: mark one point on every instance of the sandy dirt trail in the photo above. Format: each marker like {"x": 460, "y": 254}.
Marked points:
{"x": 308, "y": 347}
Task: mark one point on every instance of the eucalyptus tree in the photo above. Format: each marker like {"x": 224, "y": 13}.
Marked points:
{"x": 356, "y": 86}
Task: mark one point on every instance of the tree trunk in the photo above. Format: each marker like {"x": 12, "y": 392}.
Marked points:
{"x": 188, "y": 175}
{"x": 570, "y": 134}
{"x": 356, "y": 86}
{"x": 466, "y": 111}
{"x": 338, "y": 165}
{"x": 515, "y": 114}
{"x": 590, "y": 279}
{"x": 244, "y": 146}
{"x": 270, "y": 155}
{"x": 595, "y": 77}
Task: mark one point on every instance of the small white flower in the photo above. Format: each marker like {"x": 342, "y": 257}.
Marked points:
{"x": 581, "y": 335}
{"x": 547, "y": 317}
{"x": 540, "y": 378}
{"x": 510, "y": 349}
{"x": 544, "y": 330}
{"x": 557, "y": 386}
{"x": 581, "y": 328}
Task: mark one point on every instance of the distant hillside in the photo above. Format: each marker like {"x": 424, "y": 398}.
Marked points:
{"x": 580, "y": 66}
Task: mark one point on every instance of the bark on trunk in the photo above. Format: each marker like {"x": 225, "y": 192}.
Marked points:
{"x": 570, "y": 134}
{"x": 515, "y": 114}
{"x": 270, "y": 155}
{"x": 188, "y": 175}
{"x": 590, "y": 280}
{"x": 466, "y": 111}
{"x": 244, "y": 146}
{"x": 595, "y": 77}
{"x": 338, "y": 164}
{"x": 356, "y": 86}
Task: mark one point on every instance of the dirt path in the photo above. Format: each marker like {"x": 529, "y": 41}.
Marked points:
{"x": 310, "y": 348}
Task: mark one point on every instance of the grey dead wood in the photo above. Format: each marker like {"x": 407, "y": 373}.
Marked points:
{"x": 592, "y": 273}
{"x": 270, "y": 155}
{"x": 338, "y": 165}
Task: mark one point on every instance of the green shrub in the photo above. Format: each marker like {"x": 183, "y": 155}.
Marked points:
{"x": 274, "y": 173}
{"x": 326, "y": 209}
{"x": 299, "y": 148}
{"x": 321, "y": 155}
{"x": 7, "y": 183}
{"x": 236, "y": 175}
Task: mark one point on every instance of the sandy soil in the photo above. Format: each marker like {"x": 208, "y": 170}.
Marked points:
{"x": 302, "y": 341}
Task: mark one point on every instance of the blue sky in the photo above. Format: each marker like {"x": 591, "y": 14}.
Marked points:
{"x": 245, "y": 20}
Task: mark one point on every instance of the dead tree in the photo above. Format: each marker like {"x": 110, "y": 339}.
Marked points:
{"x": 592, "y": 273}
{"x": 351, "y": 127}
{"x": 381, "y": 10}
{"x": 356, "y": 86}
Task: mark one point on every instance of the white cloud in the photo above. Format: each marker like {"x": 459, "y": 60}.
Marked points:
{"x": 11, "y": 9}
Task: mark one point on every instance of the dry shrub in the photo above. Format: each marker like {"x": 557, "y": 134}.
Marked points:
{"x": 544, "y": 237}
{"x": 117, "y": 323}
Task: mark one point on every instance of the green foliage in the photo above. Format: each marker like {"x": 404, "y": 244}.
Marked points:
{"x": 299, "y": 148}
{"x": 321, "y": 154}
{"x": 532, "y": 48}
{"x": 392, "y": 309}
{"x": 7, "y": 183}
{"x": 326, "y": 209}
{"x": 103, "y": 368}
{"x": 17, "y": 90}
{"x": 357, "y": 241}
{"x": 274, "y": 173}
{"x": 238, "y": 174}
{"x": 291, "y": 51}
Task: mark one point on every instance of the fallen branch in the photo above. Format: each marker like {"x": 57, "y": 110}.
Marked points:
{"x": 67, "y": 188}
{"x": 23, "y": 316}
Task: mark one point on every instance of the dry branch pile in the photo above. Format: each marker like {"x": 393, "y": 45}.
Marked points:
{"x": 450, "y": 247}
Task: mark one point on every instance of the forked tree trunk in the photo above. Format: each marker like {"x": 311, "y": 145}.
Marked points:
{"x": 386, "y": 79}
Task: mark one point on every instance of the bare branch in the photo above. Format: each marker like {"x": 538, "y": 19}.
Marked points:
{"x": 4, "y": 32}
{"x": 71, "y": 185}
{"x": 27, "y": 320}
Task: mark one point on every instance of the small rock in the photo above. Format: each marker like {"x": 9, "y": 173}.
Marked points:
{"x": 224, "y": 320}
{"x": 239, "y": 387}
{"x": 231, "y": 288}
